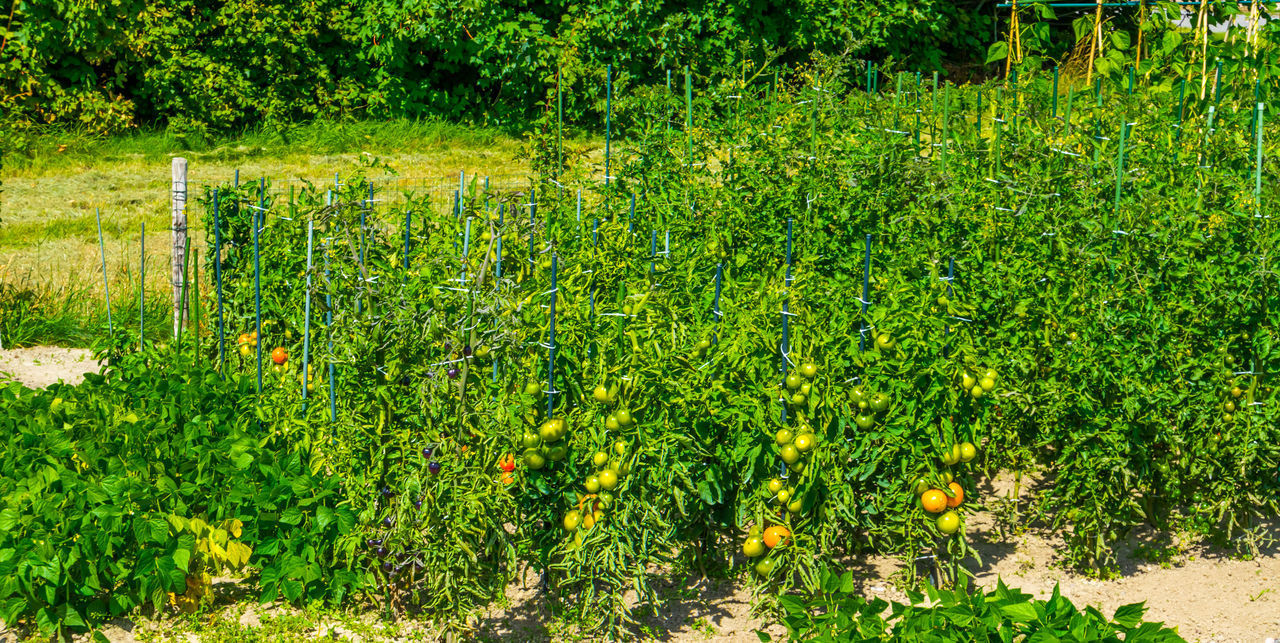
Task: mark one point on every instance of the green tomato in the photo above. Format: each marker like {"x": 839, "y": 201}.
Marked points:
{"x": 765, "y": 566}
{"x": 600, "y": 458}
{"x": 804, "y": 442}
{"x": 794, "y": 381}
{"x": 753, "y": 547}
{"x": 879, "y": 401}
{"x": 592, "y": 485}
{"x": 611, "y": 422}
{"x": 601, "y": 395}
{"x": 809, "y": 369}
{"x": 531, "y": 440}
{"x": 620, "y": 447}
{"x": 864, "y": 421}
{"x": 548, "y": 432}
{"x": 572, "y": 519}
{"x": 608, "y": 479}
{"x": 534, "y": 460}
{"x": 775, "y": 485}
{"x": 624, "y": 417}
{"x": 968, "y": 452}
{"x": 790, "y": 454}
{"x": 782, "y": 437}
{"x": 533, "y": 388}
{"x": 949, "y": 522}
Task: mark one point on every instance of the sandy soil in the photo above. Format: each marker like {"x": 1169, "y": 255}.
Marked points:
{"x": 41, "y": 366}
{"x": 1209, "y": 595}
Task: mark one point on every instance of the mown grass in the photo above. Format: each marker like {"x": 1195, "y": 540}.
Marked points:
{"x": 52, "y": 188}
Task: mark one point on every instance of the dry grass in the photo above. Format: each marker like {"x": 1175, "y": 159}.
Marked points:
{"x": 48, "y": 232}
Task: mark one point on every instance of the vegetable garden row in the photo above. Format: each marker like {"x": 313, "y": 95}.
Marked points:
{"x": 782, "y": 321}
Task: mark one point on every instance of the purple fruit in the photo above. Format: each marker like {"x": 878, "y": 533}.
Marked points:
{"x": 388, "y": 566}
{"x": 417, "y": 504}
{"x": 466, "y": 350}
{"x": 448, "y": 347}
{"x": 452, "y": 373}
{"x": 382, "y": 552}
{"x": 434, "y": 467}
{"x": 426, "y": 453}
{"x": 388, "y": 521}
{"x": 386, "y": 493}
{"x": 372, "y": 542}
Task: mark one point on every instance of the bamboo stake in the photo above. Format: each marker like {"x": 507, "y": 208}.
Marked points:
{"x": 1095, "y": 45}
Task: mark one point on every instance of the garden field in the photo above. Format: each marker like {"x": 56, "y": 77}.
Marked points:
{"x": 818, "y": 350}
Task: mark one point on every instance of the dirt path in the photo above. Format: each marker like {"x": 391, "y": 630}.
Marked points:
{"x": 40, "y": 366}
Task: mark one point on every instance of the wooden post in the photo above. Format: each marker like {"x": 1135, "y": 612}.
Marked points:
{"x": 179, "y": 227}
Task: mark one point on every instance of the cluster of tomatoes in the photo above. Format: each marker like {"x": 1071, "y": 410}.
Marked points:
{"x": 545, "y": 444}
{"x": 1235, "y": 388}
{"x": 507, "y": 464}
{"x": 799, "y": 383}
{"x": 599, "y": 487}
{"x": 979, "y": 383}
{"x": 943, "y": 502}
{"x": 759, "y": 543}
{"x": 247, "y": 342}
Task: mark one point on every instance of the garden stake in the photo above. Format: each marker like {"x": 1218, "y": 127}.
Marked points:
{"x": 195, "y": 305}
{"x": 551, "y": 344}
{"x": 306, "y": 320}
{"x": 257, "y": 279}
{"x": 715, "y": 303}
{"x": 786, "y": 313}
{"x": 559, "y": 128}
{"x": 142, "y": 287}
{"x": 688, "y": 118}
{"x": 653, "y": 250}
{"x": 106, "y": 287}
{"x": 1257, "y": 168}
{"x": 866, "y": 293}
{"x": 946, "y": 329}
{"x": 1054, "y": 112}
{"x": 328, "y": 320}
{"x": 608, "y": 124}
{"x": 497, "y": 263}
{"x": 217, "y": 279}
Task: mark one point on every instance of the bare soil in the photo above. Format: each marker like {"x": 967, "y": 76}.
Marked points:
{"x": 40, "y": 366}
{"x": 1210, "y": 595}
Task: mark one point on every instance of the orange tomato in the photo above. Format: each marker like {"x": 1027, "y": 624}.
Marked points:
{"x": 279, "y": 355}
{"x": 957, "y": 493}
{"x": 775, "y": 535}
{"x": 507, "y": 463}
{"x": 507, "y": 478}
{"x": 934, "y": 500}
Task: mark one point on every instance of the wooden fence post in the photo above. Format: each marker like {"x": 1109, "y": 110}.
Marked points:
{"x": 179, "y": 227}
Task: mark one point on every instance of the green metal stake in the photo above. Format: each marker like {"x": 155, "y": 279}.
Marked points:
{"x": 1124, "y": 130}
{"x": 559, "y": 123}
{"x": 1257, "y": 167}
{"x": 1055, "y": 92}
{"x": 688, "y": 119}
{"x": 946, "y": 119}
{"x": 608, "y": 113}
{"x": 142, "y": 288}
